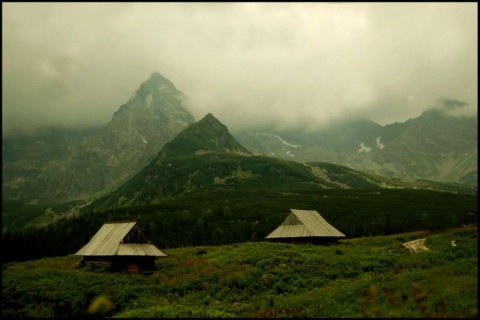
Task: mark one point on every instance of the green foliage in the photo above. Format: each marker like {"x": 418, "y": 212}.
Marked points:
{"x": 17, "y": 215}
{"x": 178, "y": 172}
{"x": 240, "y": 216}
{"x": 370, "y": 276}
{"x": 241, "y": 174}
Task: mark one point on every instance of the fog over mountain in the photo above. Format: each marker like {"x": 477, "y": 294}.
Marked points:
{"x": 250, "y": 64}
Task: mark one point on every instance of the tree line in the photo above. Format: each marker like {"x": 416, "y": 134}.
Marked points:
{"x": 221, "y": 219}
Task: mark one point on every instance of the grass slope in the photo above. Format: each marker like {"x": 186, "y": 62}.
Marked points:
{"x": 371, "y": 276}
{"x": 180, "y": 175}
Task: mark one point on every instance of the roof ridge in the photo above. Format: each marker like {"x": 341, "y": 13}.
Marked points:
{"x": 121, "y": 221}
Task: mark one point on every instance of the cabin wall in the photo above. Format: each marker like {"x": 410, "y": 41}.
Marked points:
{"x": 312, "y": 240}
{"x": 121, "y": 263}
{"x": 134, "y": 263}
{"x": 100, "y": 261}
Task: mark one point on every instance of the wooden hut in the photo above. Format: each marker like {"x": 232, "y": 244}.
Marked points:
{"x": 305, "y": 226}
{"x": 121, "y": 246}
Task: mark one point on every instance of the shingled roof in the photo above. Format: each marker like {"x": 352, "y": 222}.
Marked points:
{"x": 117, "y": 238}
{"x": 303, "y": 224}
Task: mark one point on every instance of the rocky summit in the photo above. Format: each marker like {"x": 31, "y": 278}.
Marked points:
{"x": 61, "y": 164}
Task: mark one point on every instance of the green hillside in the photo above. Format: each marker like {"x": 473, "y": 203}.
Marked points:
{"x": 205, "y": 157}
{"x": 203, "y": 188}
{"x": 221, "y": 217}
{"x": 186, "y": 175}
{"x": 219, "y": 174}
{"x": 369, "y": 277}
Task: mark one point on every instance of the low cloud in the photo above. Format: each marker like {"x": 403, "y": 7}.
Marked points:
{"x": 249, "y": 64}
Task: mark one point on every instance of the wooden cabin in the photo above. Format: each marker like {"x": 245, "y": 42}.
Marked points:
{"x": 302, "y": 226}
{"x": 121, "y": 246}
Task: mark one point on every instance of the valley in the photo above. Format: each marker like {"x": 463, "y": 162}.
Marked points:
{"x": 190, "y": 182}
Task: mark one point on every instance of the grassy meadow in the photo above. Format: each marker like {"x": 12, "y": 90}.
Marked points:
{"x": 361, "y": 277}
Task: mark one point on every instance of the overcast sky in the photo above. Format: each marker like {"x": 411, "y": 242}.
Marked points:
{"x": 288, "y": 64}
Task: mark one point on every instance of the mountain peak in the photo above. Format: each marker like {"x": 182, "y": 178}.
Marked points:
{"x": 206, "y": 135}
{"x": 209, "y": 119}
{"x": 209, "y": 116}
{"x": 156, "y": 76}
{"x": 208, "y": 125}
{"x": 156, "y": 83}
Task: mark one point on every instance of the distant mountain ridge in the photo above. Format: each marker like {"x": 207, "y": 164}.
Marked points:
{"x": 62, "y": 164}
{"x": 437, "y": 145}
{"x": 204, "y": 158}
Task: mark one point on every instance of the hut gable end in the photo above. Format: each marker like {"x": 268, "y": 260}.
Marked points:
{"x": 291, "y": 220}
{"x": 136, "y": 235}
